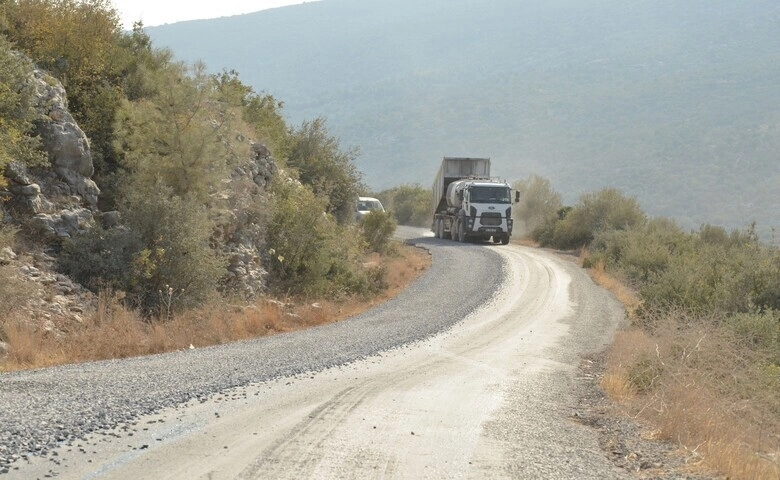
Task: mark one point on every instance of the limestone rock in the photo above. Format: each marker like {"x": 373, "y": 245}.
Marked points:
{"x": 63, "y": 139}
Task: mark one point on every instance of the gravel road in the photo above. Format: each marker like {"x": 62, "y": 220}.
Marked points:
{"x": 470, "y": 373}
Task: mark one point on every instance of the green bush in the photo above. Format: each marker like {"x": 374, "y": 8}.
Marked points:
{"x": 181, "y": 136}
{"x": 759, "y": 330}
{"x": 378, "y": 228}
{"x": 410, "y": 204}
{"x": 643, "y": 252}
{"x": 716, "y": 278}
{"x": 545, "y": 232}
{"x": 100, "y": 259}
{"x": 603, "y": 211}
{"x": 175, "y": 266}
{"x": 309, "y": 252}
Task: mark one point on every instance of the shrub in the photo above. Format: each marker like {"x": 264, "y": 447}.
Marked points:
{"x": 645, "y": 374}
{"x": 706, "y": 277}
{"x": 545, "y": 233}
{"x": 378, "y": 228}
{"x": 296, "y": 234}
{"x": 643, "y": 252}
{"x": 100, "y": 259}
{"x": 309, "y": 252}
{"x": 602, "y": 211}
{"x": 759, "y": 331}
{"x": 410, "y": 204}
{"x": 181, "y": 136}
{"x": 174, "y": 266}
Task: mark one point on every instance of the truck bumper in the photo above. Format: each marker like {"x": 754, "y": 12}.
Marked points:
{"x": 474, "y": 227}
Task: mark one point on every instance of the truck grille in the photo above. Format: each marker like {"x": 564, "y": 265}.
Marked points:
{"x": 491, "y": 219}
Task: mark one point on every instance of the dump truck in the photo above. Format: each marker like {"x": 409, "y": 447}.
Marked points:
{"x": 469, "y": 204}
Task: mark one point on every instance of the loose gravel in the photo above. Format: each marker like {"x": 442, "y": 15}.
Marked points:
{"x": 44, "y": 409}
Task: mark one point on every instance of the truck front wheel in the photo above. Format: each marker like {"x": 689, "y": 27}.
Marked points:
{"x": 505, "y": 239}
{"x": 461, "y": 231}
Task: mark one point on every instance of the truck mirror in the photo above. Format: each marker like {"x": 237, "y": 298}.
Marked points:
{"x": 517, "y": 196}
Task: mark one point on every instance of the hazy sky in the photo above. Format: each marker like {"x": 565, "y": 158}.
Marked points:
{"x": 158, "y": 12}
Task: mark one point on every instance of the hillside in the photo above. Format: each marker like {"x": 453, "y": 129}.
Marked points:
{"x": 673, "y": 103}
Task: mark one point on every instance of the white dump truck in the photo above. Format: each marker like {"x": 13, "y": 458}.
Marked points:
{"x": 469, "y": 204}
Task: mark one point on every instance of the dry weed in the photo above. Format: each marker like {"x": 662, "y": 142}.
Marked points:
{"x": 701, "y": 394}
{"x": 698, "y": 385}
{"x": 627, "y": 296}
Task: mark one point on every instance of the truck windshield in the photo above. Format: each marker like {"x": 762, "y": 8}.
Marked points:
{"x": 480, "y": 194}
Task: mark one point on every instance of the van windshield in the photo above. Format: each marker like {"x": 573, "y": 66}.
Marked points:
{"x": 366, "y": 205}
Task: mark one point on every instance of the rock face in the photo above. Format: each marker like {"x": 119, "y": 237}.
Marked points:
{"x": 242, "y": 234}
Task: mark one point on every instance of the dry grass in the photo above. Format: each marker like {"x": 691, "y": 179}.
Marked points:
{"x": 624, "y": 294}
{"x": 699, "y": 387}
{"x": 115, "y": 332}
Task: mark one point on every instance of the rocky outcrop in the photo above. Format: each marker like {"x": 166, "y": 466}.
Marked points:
{"x": 66, "y": 144}
{"x": 61, "y": 201}
{"x": 63, "y": 140}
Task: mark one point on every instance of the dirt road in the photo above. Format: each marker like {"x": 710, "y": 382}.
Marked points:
{"x": 491, "y": 397}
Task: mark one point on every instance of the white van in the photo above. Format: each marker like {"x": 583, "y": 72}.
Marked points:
{"x": 367, "y": 204}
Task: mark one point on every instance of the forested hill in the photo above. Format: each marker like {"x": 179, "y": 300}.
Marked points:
{"x": 673, "y": 102}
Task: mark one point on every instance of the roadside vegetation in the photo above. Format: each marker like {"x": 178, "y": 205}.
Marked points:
{"x": 410, "y": 204}
{"x": 115, "y": 331}
{"x": 167, "y": 139}
{"x": 700, "y": 359}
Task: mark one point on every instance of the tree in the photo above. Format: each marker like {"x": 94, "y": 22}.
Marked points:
{"x": 77, "y": 41}
{"x": 321, "y": 164}
{"x": 17, "y": 142}
{"x": 183, "y": 136}
{"x": 410, "y": 204}
{"x": 263, "y": 112}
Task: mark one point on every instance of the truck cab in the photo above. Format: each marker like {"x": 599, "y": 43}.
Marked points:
{"x": 481, "y": 210}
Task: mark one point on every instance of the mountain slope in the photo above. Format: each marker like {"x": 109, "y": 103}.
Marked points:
{"x": 674, "y": 103}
